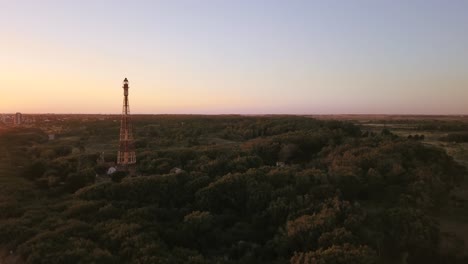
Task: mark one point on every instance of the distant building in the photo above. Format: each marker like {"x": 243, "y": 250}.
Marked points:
{"x": 176, "y": 170}
{"x": 111, "y": 170}
{"x": 280, "y": 164}
{"x": 18, "y": 119}
{"x": 8, "y": 120}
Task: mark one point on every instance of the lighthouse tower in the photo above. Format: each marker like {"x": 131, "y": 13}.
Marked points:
{"x": 126, "y": 155}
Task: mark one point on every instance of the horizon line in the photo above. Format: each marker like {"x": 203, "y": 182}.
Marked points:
{"x": 240, "y": 114}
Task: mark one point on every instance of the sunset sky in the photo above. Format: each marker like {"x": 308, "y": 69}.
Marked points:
{"x": 245, "y": 57}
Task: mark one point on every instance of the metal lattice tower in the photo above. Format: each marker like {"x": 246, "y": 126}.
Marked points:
{"x": 126, "y": 155}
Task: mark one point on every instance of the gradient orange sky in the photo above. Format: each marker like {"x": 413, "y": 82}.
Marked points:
{"x": 246, "y": 57}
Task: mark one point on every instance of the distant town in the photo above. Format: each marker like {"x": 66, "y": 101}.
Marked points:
{"x": 51, "y": 124}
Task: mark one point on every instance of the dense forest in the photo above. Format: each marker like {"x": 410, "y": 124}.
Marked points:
{"x": 227, "y": 189}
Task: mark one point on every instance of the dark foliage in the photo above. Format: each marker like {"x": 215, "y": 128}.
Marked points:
{"x": 234, "y": 189}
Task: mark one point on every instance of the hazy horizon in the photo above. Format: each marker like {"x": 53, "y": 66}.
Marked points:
{"x": 240, "y": 114}
{"x": 239, "y": 57}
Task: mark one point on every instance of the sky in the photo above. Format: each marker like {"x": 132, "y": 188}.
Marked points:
{"x": 235, "y": 56}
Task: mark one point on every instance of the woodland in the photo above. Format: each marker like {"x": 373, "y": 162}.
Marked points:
{"x": 227, "y": 189}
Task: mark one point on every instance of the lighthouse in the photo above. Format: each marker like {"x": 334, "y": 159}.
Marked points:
{"x": 126, "y": 155}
